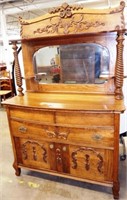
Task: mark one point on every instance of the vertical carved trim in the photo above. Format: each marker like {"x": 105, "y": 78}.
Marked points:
{"x": 87, "y": 159}
{"x": 34, "y": 153}
{"x": 33, "y": 145}
{"x": 24, "y": 151}
{"x": 74, "y": 159}
{"x": 119, "y": 66}
{"x": 58, "y": 155}
{"x": 100, "y": 163}
{"x": 17, "y": 69}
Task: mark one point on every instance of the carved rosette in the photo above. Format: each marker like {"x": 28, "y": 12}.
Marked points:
{"x": 87, "y": 158}
{"x": 65, "y": 11}
{"x": 33, "y": 146}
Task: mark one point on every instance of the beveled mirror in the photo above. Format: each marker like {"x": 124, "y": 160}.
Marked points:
{"x": 82, "y": 63}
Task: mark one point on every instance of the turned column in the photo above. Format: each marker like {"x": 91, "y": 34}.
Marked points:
{"x": 17, "y": 69}
{"x": 119, "y": 66}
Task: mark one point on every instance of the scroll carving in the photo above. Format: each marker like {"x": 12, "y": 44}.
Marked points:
{"x": 87, "y": 158}
{"x": 64, "y": 27}
{"x": 57, "y": 135}
{"x": 17, "y": 69}
{"x": 119, "y": 67}
{"x": 119, "y": 9}
{"x": 33, "y": 146}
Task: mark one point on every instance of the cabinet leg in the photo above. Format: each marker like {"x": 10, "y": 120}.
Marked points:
{"x": 115, "y": 190}
{"x": 17, "y": 169}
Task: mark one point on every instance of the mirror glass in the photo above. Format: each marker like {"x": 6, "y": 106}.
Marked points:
{"x": 86, "y": 63}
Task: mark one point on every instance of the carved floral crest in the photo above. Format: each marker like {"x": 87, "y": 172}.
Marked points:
{"x": 67, "y": 19}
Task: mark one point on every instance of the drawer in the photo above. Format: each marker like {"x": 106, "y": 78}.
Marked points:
{"x": 89, "y": 136}
{"x": 88, "y": 119}
{"x": 35, "y": 115}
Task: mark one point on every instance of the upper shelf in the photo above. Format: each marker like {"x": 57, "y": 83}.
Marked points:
{"x": 73, "y": 19}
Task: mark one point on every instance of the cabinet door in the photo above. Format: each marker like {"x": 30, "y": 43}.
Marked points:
{"x": 32, "y": 153}
{"x": 59, "y": 157}
{"x": 91, "y": 163}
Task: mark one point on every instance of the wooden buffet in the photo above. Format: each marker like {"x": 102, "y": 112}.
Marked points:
{"x": 70, "y": 129}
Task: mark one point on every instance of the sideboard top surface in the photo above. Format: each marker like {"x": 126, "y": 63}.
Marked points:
{"x": 81, "y": 102}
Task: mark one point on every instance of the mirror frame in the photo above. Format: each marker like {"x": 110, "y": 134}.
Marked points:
{"x": 70, "y": 24}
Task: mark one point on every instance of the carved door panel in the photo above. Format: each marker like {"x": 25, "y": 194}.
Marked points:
{"x": 32, "y": 153}
{"x": 59, "y": 157}
{"x": 91, "y": 163}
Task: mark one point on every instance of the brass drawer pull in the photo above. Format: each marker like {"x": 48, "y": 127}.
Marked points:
{"x": 22, "y": 129}
{"x": 97, "y": 137}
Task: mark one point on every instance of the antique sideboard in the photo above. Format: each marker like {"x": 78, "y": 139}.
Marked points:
{"x": 66, "y": 123}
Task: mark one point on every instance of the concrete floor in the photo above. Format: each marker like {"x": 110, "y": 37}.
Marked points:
{"x": 37, "y": 186}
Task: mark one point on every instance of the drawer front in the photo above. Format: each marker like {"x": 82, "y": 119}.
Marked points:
{"x": 90, "y": 136}
{"x": 88, "y": 119}
{"x": 91, "y": 163}
{"x": 34, "y": 115}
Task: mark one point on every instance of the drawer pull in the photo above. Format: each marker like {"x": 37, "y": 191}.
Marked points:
{"x": 22, "y": 129}
{"x": 97, "y": 137}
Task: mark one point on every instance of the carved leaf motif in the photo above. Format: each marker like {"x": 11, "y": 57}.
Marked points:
{"x": 63, "y": 26}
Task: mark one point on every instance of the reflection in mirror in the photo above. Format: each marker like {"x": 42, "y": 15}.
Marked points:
{"x": 86, "y": 63}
